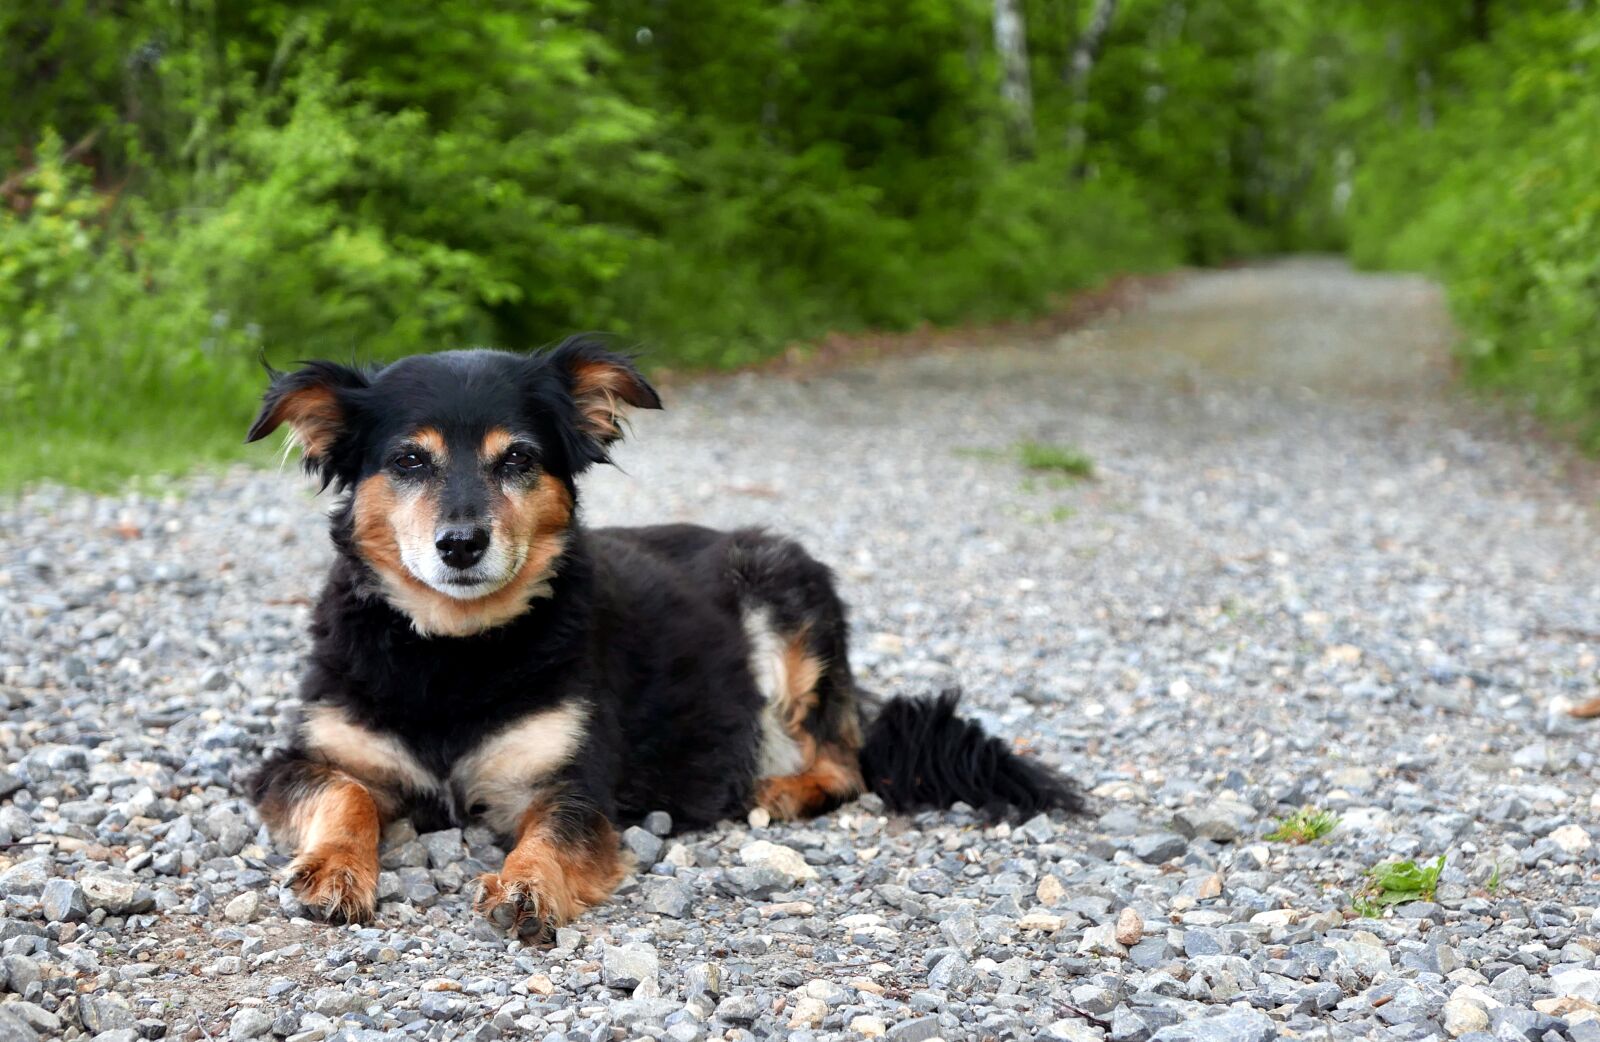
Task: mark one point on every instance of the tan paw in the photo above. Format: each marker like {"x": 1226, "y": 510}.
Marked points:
{"x": 339, "y": 882}
{"x": 517, "y": 906}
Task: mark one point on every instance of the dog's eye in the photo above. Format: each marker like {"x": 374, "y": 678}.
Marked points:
{"x": 410, "y": 461}
{"x": 516, "y": 459}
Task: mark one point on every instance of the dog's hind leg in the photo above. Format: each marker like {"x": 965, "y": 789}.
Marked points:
{"x": 799, "y": 658}
{"x": 331, "y": 821}
{"x": 809, "y": 730}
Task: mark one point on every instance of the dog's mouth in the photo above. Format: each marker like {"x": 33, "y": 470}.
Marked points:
{"x": 467, "y": 585}
{"x": 498, "y": 568}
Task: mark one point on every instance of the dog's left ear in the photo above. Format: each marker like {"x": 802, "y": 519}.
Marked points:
{"x": 601, "y": 382}
{"x": 313, "y": 401}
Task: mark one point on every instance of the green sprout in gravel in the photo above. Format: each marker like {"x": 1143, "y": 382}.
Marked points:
{"x": 1055, "y": 459}
{"x": 1397, "y": 883}
{"x": 1303, "y": 826}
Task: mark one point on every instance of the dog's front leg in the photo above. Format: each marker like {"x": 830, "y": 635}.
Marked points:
{"x": 332, "y": 822}
{"x": 567, "y": 858}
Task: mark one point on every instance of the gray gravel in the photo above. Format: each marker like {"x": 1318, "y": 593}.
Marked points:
{"x": 1306, "y": 573}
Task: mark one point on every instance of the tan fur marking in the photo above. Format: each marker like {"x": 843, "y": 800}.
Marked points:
{"x": 831, "y": 771}
{"x": 533, "y": 523}
{"x": 801, "y": 671}
{"x": 833, "y": 775}
{"x": 313, "y": 416}
{"x": 850, "y": 728}
{"x": 787, "y": 673}
{"x": 545, "y": 882}
{"x": 506, "y": 766}
{"x": 430, "y": 440}
{"x": 283, "y": 808}
{"x": 379, "y": 515}
{"x": 378, "y": 759}
{"x": 336, "y": 868}
{"x": 600, "y": 389}
{"x": 495, "y": 444}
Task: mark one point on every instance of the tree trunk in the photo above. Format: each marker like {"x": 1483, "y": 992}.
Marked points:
{"x": 1480, "y": 20}
{"x": 1011, "y": 43}
{"x": 1078, "y": 69}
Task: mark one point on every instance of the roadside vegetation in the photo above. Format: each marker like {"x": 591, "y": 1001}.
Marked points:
{"x": 188, "y": 187}
{"x": 1305, "y": 825}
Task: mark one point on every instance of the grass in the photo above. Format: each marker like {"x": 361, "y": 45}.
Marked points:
{"x": 1055, "y": 459}
{"x": 165, "y": 441}
{"x": 1397, "y": 883}
{"x": 1060, "y": 463}
{"x": 1303, "y": 826}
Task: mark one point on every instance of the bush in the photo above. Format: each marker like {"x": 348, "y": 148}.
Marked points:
{"x": 1501, "y": 199}
{"x": 713, "y": 179}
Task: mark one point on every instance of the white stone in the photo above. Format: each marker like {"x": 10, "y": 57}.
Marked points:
{"x": 243, "y": 908}
{"x": 1101, "y": 940}
{"x": 1075, "y": 1031}
{"x": 808, "y": 1013}
{"x": 116, "y": 894}
{"x": 762, "y": 854}
{"x": 1576, "y": 981}
{"x": 1041, "y": 921}
{"x": 1477, "y": 996}
{"x": 1366, "y": 959}
{"x": 1461, "y": 1016}
{"x": 1574, "y": 839}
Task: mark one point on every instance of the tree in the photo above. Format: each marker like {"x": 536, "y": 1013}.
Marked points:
{"x": 1078, "y": 70}
{"x": 1011, "y": 44}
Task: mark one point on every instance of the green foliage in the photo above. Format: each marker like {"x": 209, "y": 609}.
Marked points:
{"x": 189, "y": 186}
{"x": 1055, "y": 459}
{"x": 1396, "y": 883}
{"x": 1303, "y": 826}
{"x": 1498, "y": 193}
{"x": 100, "y": 377}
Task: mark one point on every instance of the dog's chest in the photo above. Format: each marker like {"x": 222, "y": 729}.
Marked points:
{"x": 494, "y": 776}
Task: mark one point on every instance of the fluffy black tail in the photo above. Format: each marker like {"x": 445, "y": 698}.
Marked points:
{"x": 919, "y": 754}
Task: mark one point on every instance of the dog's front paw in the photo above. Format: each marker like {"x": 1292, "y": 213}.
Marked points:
{"x": 518, "y": 906}
{"x": 339, "y": 882}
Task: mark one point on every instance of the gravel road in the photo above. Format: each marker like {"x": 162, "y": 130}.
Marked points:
{"x": 1306, "y": 572}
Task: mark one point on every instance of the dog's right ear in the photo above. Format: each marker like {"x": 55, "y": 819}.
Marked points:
{"x": 315, "y": 402}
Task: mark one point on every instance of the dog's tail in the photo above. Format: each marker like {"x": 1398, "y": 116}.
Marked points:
{"x": 919, "y": 754}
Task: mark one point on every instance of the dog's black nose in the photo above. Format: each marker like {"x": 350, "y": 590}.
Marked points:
{"x": 462, "y": 547}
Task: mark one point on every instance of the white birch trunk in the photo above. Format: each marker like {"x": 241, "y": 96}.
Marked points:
{"x": 1016, "y": 90}
{"x": 1079, "y": 68}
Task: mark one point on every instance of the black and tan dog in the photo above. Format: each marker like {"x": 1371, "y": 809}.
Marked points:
{"x": 478, "y": 655}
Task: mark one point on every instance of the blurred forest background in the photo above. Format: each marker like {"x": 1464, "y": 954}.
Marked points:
{"x": 185, "y": 184}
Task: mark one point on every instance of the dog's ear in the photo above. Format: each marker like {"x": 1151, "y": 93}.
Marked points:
{"x": 601, "y": 382}
{"x": 314, "y": 402}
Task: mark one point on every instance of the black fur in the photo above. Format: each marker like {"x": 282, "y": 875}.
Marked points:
{"x": 919, "y": 754}
{"x": 648, "y": 628}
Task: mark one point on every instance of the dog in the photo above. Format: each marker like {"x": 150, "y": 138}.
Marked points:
{"x": 479, "y": 656}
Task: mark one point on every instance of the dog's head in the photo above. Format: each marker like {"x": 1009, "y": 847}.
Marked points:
{"x": 461, "y": 467}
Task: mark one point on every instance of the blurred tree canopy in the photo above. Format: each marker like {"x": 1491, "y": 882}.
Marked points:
{"x": 188, "y": 184}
